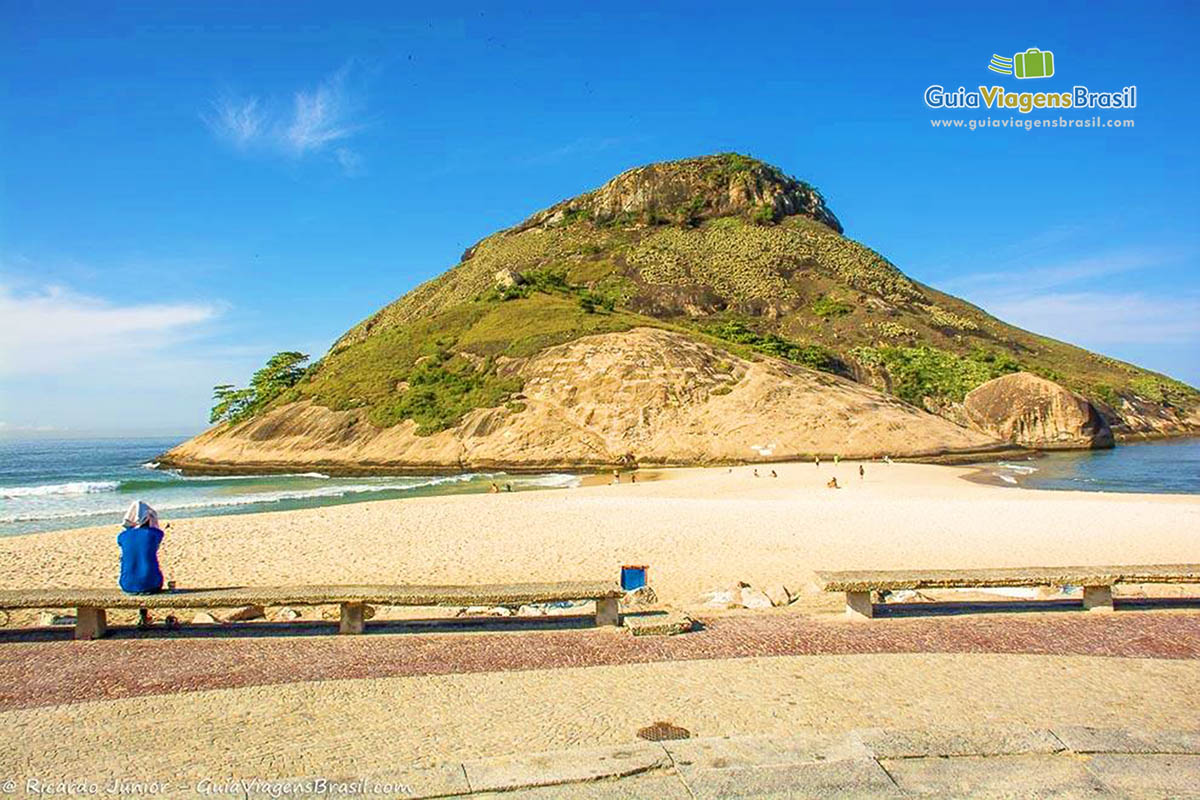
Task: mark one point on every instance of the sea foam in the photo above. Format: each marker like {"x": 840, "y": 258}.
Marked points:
{"x": 74, "y": 487}
{"x": 247, "y": 499}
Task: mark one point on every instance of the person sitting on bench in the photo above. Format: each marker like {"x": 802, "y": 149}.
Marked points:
{"x": 140, "y": 573}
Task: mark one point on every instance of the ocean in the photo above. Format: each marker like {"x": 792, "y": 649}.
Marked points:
{"x": 48, "y": 484}
{"x": 1169, "y": 466}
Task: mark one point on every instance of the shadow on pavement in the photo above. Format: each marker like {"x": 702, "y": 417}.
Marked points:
{"x": 294, "y": 628}
{"x": 959, "y": 607}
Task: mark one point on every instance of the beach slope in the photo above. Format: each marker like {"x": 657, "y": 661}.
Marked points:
{"x": 699, "y": 530}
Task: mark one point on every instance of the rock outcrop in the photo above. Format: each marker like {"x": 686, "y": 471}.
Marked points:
{"x": 1031, "y": 411}
{"x": 690, "y": 191}
{"x": 657, "y": 395}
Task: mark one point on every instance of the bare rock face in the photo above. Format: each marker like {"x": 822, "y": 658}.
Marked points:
{"x": 645, "y": 395}
{"x": 1135, "y": 417}
{"x": 693, "y": 189}
{"x": 1028, "y": 410}
{"x": 508, "y": 278}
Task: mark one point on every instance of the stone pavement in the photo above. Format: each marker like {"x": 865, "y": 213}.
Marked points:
{"x": 1061, "y": 762}
{"x": 421, "y": 723}
{"x": 446, "y": 707}
{"x": 48, "y": 669}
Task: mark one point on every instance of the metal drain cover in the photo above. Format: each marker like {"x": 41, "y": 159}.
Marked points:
{"x": 662, "y": 732}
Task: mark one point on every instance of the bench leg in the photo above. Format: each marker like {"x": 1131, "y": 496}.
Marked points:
{"x": 1097, "y": 598}
{"x": 90, "y": 623}
{"x": 858, "y": 605}
{"x": 607, "y": 612}
{"x": 353, "y": 618}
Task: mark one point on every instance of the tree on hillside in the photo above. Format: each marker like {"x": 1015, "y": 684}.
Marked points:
{"x": 231, "y": 403}
{"x": 282, "y": 372}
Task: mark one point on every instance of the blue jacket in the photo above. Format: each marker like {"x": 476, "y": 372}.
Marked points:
{"x": 139, "y": 560}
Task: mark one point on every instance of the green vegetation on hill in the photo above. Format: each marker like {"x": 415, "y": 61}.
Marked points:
{"x": 1161, "y": 389}
{"x": 826, "y": 307}
{"x": 746, "y": 264}
{"x": 810, "y": 355}
{"x": 439, "y": 389}
{"x": 434, "y": 371}
{"x": 915, "y": 373}
{"x": 602, "y": 297}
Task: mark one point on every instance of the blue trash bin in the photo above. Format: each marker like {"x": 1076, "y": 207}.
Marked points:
{"x": 633, "y": 576}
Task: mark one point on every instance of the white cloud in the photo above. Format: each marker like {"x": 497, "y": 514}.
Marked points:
{"x": 241, "y": 122}
{"x": 583, "y": 146}
{"x": 17, "y": 430}
{"x": 1083, "y": 300}
{"x": 352, "y": 162}
{"x": 1035, "y": 275}
{"x": 321, "y": 115}
{"x": 314, "y": 120}
{"x": 1102, "y": 318}
{"x": 52, "y": 330}
{"x": 81, "y": 363}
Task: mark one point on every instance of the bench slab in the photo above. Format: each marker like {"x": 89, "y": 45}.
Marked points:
{"x": 382, "y": 595}
{"x": 91, "y": 603}
{"x": 892, "y": 580}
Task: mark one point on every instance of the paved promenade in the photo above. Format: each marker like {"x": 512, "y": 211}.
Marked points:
{"x": 45, "y": 673}
{"x": 191, "y": 708}
{"x": 995, "y": 762}
{"x": 1061, "y": 762}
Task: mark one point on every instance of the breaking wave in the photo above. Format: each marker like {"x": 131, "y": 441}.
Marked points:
{"x": 554, "y": 481}
{"x": 176, "y": 474}
{"x": 74, "y": 487}
{"x": 1012, "y": 474}
{"x": 249, "y": 498}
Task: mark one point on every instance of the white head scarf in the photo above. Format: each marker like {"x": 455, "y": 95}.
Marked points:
{"x": 140, "y": 514}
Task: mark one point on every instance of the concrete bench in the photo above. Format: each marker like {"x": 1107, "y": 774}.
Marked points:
{"x": 1097, "y": 582}
{"x": 91, "y": 604}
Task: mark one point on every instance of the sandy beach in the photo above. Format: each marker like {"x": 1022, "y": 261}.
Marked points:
{"x": 698, "y": 529}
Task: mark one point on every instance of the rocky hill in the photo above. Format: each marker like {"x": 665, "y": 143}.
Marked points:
{"x": 697, "y": 311}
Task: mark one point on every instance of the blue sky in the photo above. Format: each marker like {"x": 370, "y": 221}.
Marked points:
{"x": 186, "y": 188}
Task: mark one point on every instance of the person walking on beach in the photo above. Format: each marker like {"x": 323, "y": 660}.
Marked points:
{"x": 862, "y": 473}
{"x": 139, "y": 541}
{"x": 817, "y": 461}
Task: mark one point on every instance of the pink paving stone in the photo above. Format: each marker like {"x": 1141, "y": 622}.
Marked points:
{"x": 41, "y": 673}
